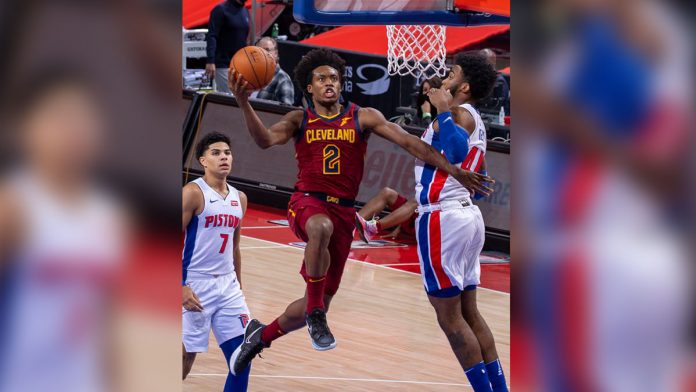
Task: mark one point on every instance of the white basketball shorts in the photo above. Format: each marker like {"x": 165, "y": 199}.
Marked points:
{"x": 449, "y": 245}
{"x": 224, "y": 311}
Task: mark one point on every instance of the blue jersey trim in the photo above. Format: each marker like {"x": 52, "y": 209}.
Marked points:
{"x": 444, "y": 293}
{"x": 428, "y": 173}
{"x": 424, "y": 249}
{"x": 189, "y": 245}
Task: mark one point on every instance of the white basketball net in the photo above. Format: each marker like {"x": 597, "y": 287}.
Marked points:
{"x": 416, "y": 50}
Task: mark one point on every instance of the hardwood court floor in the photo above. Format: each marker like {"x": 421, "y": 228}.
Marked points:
{"x": 387, "y": 334}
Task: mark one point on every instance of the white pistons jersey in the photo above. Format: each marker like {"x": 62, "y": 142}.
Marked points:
{"x": 434, "y": 185}
{"x": 208, "y": 247}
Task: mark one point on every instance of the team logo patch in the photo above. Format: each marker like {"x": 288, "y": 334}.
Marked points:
{"x": 234, "y": 203}
{"x": 244, "y": 319}
{"x": 344, "y": 120}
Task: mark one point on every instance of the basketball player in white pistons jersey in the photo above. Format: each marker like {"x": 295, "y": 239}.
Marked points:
{"x": 212, "y": 291}
{"x": 449, "y": 228}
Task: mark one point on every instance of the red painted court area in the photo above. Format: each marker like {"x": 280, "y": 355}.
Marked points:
{"x": 256, "y": 224}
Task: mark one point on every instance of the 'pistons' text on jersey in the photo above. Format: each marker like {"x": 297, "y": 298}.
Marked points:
{"x": 208, "y": 247}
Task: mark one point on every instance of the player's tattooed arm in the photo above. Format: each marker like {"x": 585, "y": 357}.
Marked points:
{"x": 237, "y": 237}
{"x": 278, "y": 133}
{"x": 370, "y": 118}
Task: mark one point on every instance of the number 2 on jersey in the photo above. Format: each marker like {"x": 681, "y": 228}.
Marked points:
{"x": 332, "y": 154}
{"x": 225, "y": 237}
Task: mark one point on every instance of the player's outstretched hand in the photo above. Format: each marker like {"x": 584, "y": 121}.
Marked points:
{"x": 191, "y": 301}
{"x": 238, "y": 85}
{"x": 475, "y": 182}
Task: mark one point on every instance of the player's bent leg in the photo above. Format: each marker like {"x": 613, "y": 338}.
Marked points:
{"x": 462, "y": 339}
{"x": 187, "y": 362}
{"x": 240, "y": 381}
{"x": 292, "y": 319}
{"x": 485, "y": 338}
{"x": 319, "y": 229}
{"x": 384, "y": 198}
{"x": 400, "y": 215}
{"x": 483, "y": 333}
{"x": 294, "y": 316}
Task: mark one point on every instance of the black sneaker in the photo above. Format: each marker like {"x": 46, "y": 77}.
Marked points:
{"x": 251, "y": 345}
{"x": 322, "y": 339}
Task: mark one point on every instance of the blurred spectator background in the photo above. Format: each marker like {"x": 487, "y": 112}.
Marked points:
{"x": 500, "y": 97}
{"x": 425, "y": 112}
{"x": 89, "y": 182}
{"x": 228, "y": 31}
{"x": 280, "y": 89}
{"x": 603, "y": 208}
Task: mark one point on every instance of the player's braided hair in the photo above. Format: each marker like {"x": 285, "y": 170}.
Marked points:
{"x": 316, "y": 58}
{"x": 479, "y": 73}
{"x": 208, "y": 139}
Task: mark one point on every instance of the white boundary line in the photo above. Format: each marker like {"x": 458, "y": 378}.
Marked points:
{"x": 399, "y": 264}
{"x": 337, "y": 379}
{"x": 365, "y": 263}
{"x": 261, "y": 247}
{"x": 265, "y": 227}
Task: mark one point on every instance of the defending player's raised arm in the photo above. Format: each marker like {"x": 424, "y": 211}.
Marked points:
{"x": 237, "y": 237}
{"x": 374, "y": 120}
{"x": 278, "y": 133}
{"x": 455, "y": 125}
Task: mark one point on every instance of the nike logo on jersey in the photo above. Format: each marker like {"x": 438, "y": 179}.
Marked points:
{"x": 313, "y": 120}
{"x": 212, "y": 201}
{"x": 447, "y": 119}
{"x": 316, "y": 280}
{"x": 248, "y": 339}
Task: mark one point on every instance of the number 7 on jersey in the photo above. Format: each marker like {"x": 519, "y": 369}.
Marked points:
{"x": 225, "y": 237}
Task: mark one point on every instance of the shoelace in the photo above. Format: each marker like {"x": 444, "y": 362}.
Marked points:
{"x": 320, "y": 326}
{"x": 255, "y": 353}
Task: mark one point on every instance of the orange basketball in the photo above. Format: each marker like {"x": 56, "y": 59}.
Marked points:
{"x": 255, "y": 64}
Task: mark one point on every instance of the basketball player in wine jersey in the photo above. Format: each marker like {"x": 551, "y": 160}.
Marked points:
{"x": 212, "y": 289}
{"x": 330, "y": 144}
{"x": 449, "y": 228}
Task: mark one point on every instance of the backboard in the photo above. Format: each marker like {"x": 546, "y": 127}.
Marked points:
{"x": 402, "y": 12}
